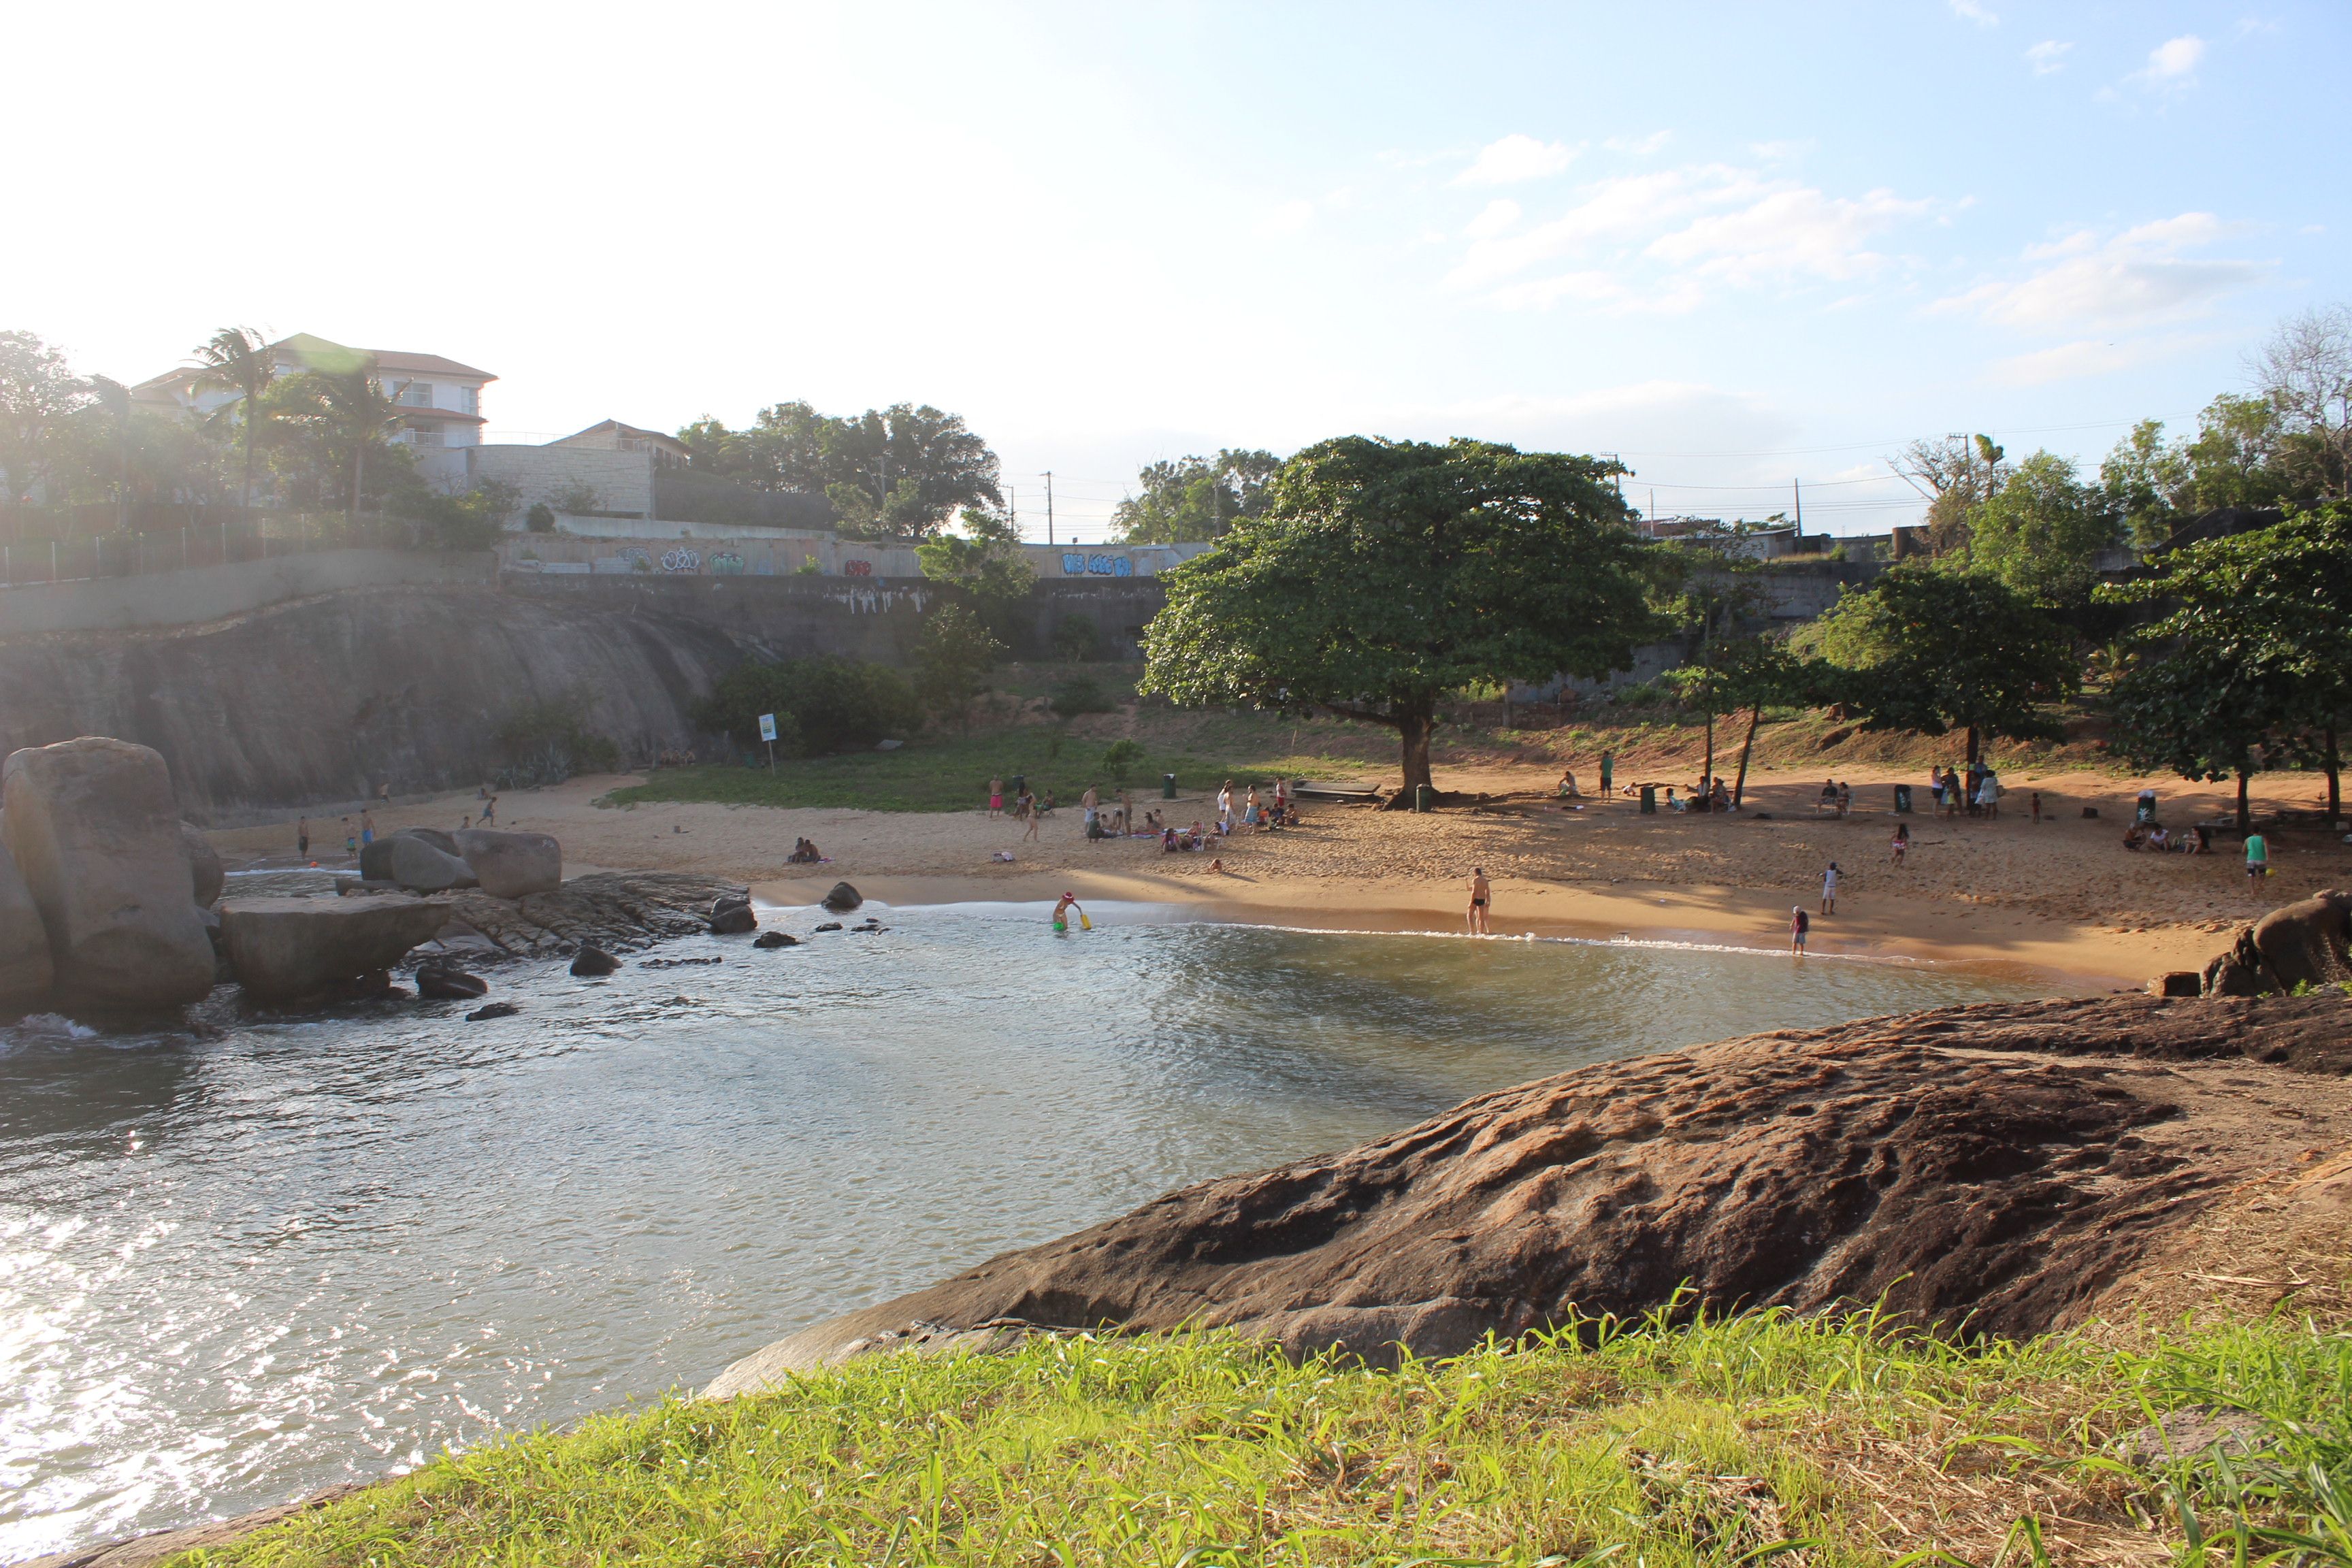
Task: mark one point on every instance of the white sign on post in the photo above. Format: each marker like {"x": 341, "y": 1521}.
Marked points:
{"x": 768, "y": 727}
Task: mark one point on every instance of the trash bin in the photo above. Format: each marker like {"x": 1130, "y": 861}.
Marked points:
{"x": 1425, "y": 798}
{"x": 1167, "y": 786}
{"x": 2146, "y": 806}
{"x": 1901, "y": 800}
{"x": 1648, "y": 800}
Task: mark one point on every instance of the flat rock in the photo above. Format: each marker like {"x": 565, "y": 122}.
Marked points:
{"x": 619, "y": 912}
{"x": 95, "y": 836}
{"x": 495, "y": 1010}
{"x": 1988, "y": 1169}
{"x": 512, "y": 864}
{"x": 775, "y": 939}
{"x": 289, "y": 949}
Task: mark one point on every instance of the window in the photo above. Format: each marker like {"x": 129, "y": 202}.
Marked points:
{"x": 633, "y": 442}
{"x": 416, "y": 394}
{"x": 426, "y": 436}
{"x": 469, "y": 400}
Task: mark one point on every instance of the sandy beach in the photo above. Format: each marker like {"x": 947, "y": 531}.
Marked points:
{"x": 2062, "y": 896}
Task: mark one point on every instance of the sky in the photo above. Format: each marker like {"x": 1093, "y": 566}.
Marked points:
{"x": 1748, "y": 247}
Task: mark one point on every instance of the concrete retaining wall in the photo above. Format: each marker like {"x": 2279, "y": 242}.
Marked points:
{"x": 215, "y": 593}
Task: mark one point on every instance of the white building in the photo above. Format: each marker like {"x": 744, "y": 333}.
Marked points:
{"x": 440, "y": 400}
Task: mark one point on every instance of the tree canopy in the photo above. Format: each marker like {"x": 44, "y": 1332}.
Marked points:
{"x": 1929, "y": 649}
{"x": 1195, "y": 498}
{"x": 2042, "y": 531}
{"x": 1382, "y": 574}
{"x": 896, "y": 472}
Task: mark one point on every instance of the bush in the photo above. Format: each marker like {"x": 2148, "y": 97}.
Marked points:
{"x": 1077, "y": 638}
{"x": 1122, "y": 758}
{"x": 1081, "y": 694}
{"x": 541, "y": 518}
{"x": 835, "y": 704}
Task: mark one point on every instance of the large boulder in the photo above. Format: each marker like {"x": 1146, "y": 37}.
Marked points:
{"x": 512, "y": 865}
{"x": 730, "y": 915}
{"x": 287, "y": 948}
{"x": 94, "y": 832}
{"x": 375, "y": 860}
{"x": 2304, "y": 942}
{"x": 413, "y": 861}
{"x": 25, "y": 970}
{"x": 843, "y": 898}
{"x": 204, "y": 866}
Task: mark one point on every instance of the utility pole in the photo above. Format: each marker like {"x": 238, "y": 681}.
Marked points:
{"x": 1798, "y": 490}
{"x": 1049, "y": 506}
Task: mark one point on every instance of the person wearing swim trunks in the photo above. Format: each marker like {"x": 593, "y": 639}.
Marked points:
{"x": 1062, "y": 913}
{"x": 996, "y": 797}
{"x": 2258, "y": 858}
{"x": 1481, "y": 897}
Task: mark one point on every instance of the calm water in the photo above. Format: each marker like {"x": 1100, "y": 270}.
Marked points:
{"x": 236, "y": 1268}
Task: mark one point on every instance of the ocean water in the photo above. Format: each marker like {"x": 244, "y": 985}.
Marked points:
{"x": 241, "y": 1266}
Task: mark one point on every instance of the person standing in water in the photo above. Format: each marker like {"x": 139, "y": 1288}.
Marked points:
{"x": 1480, "y": 900}
{"x": 1798, "y": 925}
{"x": 367, "y": 829}
{"x": 1062, "y": 913}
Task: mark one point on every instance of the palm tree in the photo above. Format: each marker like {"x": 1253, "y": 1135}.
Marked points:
{"x": 238, "y": 360}
{"x": 360, "y": 412}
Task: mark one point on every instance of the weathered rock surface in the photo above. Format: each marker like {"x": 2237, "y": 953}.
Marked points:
{"x": 24, "y": 967}
{"x": 730, "y": 915}
{"x": 512, "y": 864}
{"x": 775, "y": 939}
{"x": 96, "y": 838}
{"x": 593, "y": 963}
{"x": 1994, "y": 1166}
{"x": 206, "y": 876}
{"x": 620, "y": 912}
{"x": 440, "y": 980}
{"x": 285, "y": 950}
{"x": 421, "y": 859}
{"x": 841, "y": 897}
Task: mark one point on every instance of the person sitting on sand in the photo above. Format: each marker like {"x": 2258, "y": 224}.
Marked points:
{"x": 1718, "y": 798}
{"x": 1828, "y": 800}
{"x": 1217, "y": 867}
{"x": 1845, "y": 799}
{"x": 2158, "y": 837}
{"x": 1566, "y": 785}
{"x": 1169, "y": 842}
{"x": 1674, "y": 805}
{"x": 1198, "y": 838}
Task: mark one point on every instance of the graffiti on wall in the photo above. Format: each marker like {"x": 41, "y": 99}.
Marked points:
{"x": 1078, "y": 563}
{"x": 858, "y": 569}
{"x": 681, "y": 560}
{"x": 727, "y": 563}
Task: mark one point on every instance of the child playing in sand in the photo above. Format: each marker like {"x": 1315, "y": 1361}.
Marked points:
{"x": 1901, "y": 840}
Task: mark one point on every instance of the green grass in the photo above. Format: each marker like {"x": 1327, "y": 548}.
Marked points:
{"x": 1729, "y": 1442}
{"x": 950, "y": 771}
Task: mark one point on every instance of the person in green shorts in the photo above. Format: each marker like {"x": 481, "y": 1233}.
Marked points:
{"x": 2258, "y": 857}
{"x": 1062, "y": 913}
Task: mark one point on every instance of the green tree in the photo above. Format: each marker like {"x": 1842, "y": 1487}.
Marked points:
{"x": 1707, "y": 590}
{"x": 1195, "y": 498}
{"x": 39, "y": 396}
{"x": 1932, "y": 650}
{"x": 1751, "y": 673}
{"x": 895, "y": 472}
{"x": 836, "y": 704}
{"x": 238, "y": 360}
{"x": 984, "y": 562}
{"x": 2145, "y": 482}
{"x": 1384, "y": 573}
{"x": 952, "y": 659}
{"x": 338, "y": 419}
{"x": 2203, "y": 708}
{"x": 2267, "y": 617}
{"x": 2233, "y": 458}
{"x": 2042, "y": 531}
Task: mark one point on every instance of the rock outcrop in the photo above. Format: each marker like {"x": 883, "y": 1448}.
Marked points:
{"x": 25, "y": 970}
{"x": 730, "y": 915}
{"x": 206, "y": 876}
{"x": 95, "y": 836}
{"x": 286, "y": 950}
{"x": 421, "y": 859}
{"x": 2308, "y": 942}
{"x": 620, "y": 912}
{"x": 841, "y": 897}
{"x": 512, "y": 864}
{"x": 1988, "y": 1168}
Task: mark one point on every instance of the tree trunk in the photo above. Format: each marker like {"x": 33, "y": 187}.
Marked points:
{"x": 2335, "y": 781}
{"x": 359, "y": 469}
{"x": 1707, "y": 768}
{"x": 2245, "y": 817}
{"x": 245, "y": 497}
{"x": 1414, "y": 722}
{"x": 1975, "y": 747}
{"x": 1739, "y": 788}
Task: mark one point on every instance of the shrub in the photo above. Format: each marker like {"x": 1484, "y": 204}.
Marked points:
{"x": 1122, "y": 758}
{"x": 1081, "y": 694}
{"x": 1077, "y": 638}
{"x": 541, "y": 518}
{"x": 835, "y": 704}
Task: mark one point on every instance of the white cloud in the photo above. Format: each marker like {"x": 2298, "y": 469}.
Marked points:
{"x": 1496, "y": 218}
{"x": 1640, "y": 146}
{"x": 1779, "y": 152}
{"x": 2173, "y": 63}
{"x": 1290, "y": 217}
{"x": 2047, "y": 57}
{"x": 1514, "y": 158}
{"x": 1970, "y": 10}
{"x": 2135, "y": 278}
{"x": 1668, "y": 239}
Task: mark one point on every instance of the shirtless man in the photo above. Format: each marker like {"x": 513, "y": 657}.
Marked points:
{"x": 1482, "y": 898}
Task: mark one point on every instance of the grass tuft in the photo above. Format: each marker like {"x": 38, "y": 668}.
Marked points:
{"x": 1824, "y": 1442}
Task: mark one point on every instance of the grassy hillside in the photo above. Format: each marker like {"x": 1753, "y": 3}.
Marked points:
{"x": 1828, "y": 1442}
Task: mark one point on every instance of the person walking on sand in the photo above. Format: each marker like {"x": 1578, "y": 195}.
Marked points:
{"x": 1901, "y": 840}
{"x": 1481, "y": 898}
{"x": 1226, "y": 807}
{"x": 489, "y": 811}
{"x": 302, "y": 837}
{"x": 1828, "y": 889}
{"x": 2035, "y": 806}
{"x": 1798, "y": 925}
{"x": 2258, "y": 859}
{"x": 1030, "y": 813}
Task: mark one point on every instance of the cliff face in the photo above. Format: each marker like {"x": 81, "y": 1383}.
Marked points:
{"x": 1998, "y": 1166}
{"x": 323, "y": 699}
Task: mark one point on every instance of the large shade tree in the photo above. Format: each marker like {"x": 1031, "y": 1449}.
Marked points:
{"x": 1194, "y": 497}
{"x": 1932, "y": 650}
{"x": 1383, "y": 575}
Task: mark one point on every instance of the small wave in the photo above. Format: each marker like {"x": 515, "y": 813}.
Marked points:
{"x": 1664, "y": 945}
{"x": 55, "y": 1026}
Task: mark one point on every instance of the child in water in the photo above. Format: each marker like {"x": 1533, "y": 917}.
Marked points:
{"x": 1062, "y": 913}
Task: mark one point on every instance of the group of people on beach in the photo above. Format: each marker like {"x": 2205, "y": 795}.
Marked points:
{"x": 1977, "y": 792}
